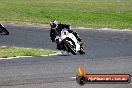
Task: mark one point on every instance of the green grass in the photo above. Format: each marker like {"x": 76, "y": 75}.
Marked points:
{"x": 17, "y": 51}
{"x": 84, "y": 13}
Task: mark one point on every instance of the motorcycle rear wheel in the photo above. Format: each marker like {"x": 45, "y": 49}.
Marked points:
{"x": 81, "y": 51}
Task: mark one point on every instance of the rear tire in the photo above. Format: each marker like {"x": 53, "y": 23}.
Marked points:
{"x": 82, "y": 51}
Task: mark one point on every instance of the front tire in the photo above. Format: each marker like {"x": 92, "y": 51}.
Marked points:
{"x": 71, "y": 48}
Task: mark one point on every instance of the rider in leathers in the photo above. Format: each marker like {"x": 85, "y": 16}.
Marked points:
{"x": 56, "y": 31}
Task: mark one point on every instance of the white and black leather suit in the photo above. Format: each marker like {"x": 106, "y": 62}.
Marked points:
{"x": 56, "y": 31}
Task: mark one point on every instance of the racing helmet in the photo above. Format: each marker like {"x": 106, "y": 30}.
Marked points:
{"x": 53, "y": 24}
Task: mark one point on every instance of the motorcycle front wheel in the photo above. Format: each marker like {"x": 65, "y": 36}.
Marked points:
{"x": 71, "y": 48}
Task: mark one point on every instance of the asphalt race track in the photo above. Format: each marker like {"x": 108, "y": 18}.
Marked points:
{"x": 106, "y": 52}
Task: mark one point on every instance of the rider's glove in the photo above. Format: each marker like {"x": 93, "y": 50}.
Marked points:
{"x": 57, "y": 40}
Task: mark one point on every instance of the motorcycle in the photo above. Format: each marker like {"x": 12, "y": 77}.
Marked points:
{"x": 3, "y": 30}
{"x": 69, "y": 43}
